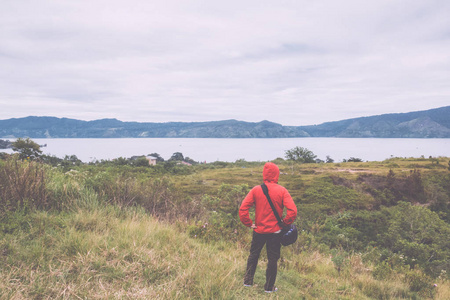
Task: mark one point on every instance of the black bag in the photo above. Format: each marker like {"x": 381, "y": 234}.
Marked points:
{"x": 289, "y": 232}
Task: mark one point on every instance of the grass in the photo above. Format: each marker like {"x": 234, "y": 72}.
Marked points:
{"x": 86, "y": 246}
{"x": 111, "y": 253}
{"x": 107, "y": 253}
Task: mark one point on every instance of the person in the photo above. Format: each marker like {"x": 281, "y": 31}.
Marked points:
{"x": 266, "y": 230}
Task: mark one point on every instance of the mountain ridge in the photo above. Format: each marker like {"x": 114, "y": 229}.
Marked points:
{"x": 433, "y": 123}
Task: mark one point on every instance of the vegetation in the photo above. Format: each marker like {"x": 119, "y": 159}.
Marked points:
{"x": 301, "y": 155}
{"x": 114, "y": 229}
{"x": 27, "y": 148}
{"x": 5, "y": 144}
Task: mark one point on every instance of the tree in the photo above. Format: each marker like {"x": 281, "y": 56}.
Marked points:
{"x": 27, "y": 148}
{"x": 329, "y": 160}
{"x": 300, "y": 154}
{"x": 177, "y": 156}
{"x": 353, "y": 159}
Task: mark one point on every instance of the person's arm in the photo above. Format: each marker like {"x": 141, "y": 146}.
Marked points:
{"x": 291, "y": 209}
{"x": 244, "y": 214}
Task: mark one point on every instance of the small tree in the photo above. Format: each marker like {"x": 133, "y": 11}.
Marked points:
{"x": 177, "y": 156}
{"x": 353, "y": 159}
{"x": 300, "y": 154}
{"x": 26, "y": 148}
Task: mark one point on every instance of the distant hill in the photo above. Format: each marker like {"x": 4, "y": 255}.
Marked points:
{"x": 51, "y": 127}
{"x": 434, "y": 123}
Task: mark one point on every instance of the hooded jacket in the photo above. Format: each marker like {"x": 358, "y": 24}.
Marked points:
{"x": 265, "y": 219}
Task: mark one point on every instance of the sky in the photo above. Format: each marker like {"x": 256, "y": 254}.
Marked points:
{"x": 290, "y": 62}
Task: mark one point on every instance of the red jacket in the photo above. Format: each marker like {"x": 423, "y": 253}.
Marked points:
{"x": 265, "y": 220}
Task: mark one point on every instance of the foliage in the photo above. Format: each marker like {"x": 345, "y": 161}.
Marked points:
{"x": 27, "y": 148}
{"x": 177, "y": 156}
{"x": 437, "y": 193}
{"x": 352, "y": 159}
{"x": 420, "y": 235}
{"x": 374, "y": 234}
{"x": 389, "y": 190}
{"x": 5, "y": 144}
{"x": 140, "y": 162}
{"x": 301, "y": 155}
{"x": 222, "y": 214}
{"x": 330, "y": 198}
{"x": 22, "y": 185}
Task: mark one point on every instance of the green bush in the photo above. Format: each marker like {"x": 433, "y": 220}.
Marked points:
{"x": 421, "y": 283}
{"x": 420, "y": 235}
{"x": 382, "y": 271}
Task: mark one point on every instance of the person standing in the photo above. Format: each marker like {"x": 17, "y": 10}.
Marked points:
{"x": 266, "y": 230}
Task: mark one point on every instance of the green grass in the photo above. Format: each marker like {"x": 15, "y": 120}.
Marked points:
{"x": 116, "y": 254}
{"x": 124, "y": 233}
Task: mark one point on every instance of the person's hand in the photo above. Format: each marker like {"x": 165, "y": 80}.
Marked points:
{"x": 254, "y": 226}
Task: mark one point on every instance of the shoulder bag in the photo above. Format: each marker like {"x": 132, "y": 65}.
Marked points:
{"x": 289, "y": 232}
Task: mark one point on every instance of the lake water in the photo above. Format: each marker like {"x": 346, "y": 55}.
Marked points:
{"x": 230, "y": 150}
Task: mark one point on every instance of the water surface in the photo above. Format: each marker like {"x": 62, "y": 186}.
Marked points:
{"x": 230, "y": 150}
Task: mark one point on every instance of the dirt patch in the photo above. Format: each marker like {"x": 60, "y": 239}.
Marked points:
{"x": 355, "y": 170}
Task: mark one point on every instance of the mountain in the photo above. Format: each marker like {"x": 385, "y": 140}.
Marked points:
{"x": 433, "y": 123}
{"x": 51, "y": 127}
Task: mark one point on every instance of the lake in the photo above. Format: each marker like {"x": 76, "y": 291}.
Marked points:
{"x": 230, "y": 150}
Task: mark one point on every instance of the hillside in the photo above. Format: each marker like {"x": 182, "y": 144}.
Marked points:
{"x": 51, "y": 127}
{"x": 375, "y": 230}
{"x": 434, "y": 123}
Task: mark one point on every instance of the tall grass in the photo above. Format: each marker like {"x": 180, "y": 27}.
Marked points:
{"x": 126, "y": 254}
{"x": 106, "y": 234}
{"x": 22, "y": 185}
{"x": 100, "y": 253}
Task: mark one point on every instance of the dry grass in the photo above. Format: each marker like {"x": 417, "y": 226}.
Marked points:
{"x": 109, "y": 253}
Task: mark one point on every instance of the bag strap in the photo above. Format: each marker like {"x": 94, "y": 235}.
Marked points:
{"x": 266, "y": 192}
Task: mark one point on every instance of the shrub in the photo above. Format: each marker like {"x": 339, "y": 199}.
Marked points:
{"x": 382, "y": 271}
{"x": 420, "y": 235}
{"x": 419, "y": 282}
{"x": 22, "y": 185}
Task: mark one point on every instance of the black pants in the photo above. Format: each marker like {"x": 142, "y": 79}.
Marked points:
{"x": 273, "y": 246}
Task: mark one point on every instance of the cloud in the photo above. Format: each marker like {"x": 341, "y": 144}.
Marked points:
{"x": 291, "y": 62}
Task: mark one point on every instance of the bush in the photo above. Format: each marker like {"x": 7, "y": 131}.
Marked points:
{"x": 420, "y": 235}
{"x": 22, "y": 185}
{"x": 382, "y": 271}
{"x": 421, "y": 283}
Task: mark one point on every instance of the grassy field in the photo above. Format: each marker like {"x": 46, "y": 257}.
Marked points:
{"x": 106, "y": 232}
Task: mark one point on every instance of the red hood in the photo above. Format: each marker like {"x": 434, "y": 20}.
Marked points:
{"x": 271, "y": 172}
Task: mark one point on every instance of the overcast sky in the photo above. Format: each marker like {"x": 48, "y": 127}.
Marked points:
{"x": 290, "y": 62}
